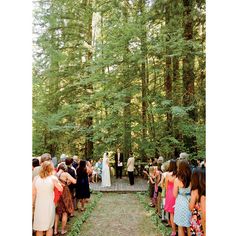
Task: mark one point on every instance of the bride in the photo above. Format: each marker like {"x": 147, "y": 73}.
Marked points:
{"x": 106, "y": 180}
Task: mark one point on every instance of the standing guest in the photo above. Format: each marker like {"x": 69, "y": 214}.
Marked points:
{"x": 202, "y": 195}
{"x": 43, "y": 196}
{"x": 170, "y": 199}
{"x": 118, "y": 163}
{"x": 95, "y": 173}
{"x": 182, "y": 214}
{"x": 89, "y": 169}
{"x": 160, "y": 160}
{"x": 130, "y": 168}
{"x": 99, "y": 166}
{"x": 194, "y": 205}
{"x": 183, "y": 156}
{"x": 43, "y": 158}
{"x": 71, "y": 170}
{"x": 62, "y": 157}
{"x": 159, "y": 195}
{"x": 35, "y": 163}
{"x": 164, "y": 214}
{"x": 150, "y": 162}
{"x": 199, "y": 162}
{"x": 75, "y": 162}
{"x": 151, "y": 180}
{"x": 98, "y": 169}
{"x": 82, "y": 184}
{"x": 65, "y": 204}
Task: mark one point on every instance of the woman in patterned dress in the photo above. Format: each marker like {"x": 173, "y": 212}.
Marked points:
{"x": 181, "y": 191}
{"x": 196, "y": 228}
{"x": 65, "y": 204}
{"x": 202, "y": 183}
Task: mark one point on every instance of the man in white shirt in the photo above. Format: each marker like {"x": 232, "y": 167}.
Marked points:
{"x": 130, "y": 168}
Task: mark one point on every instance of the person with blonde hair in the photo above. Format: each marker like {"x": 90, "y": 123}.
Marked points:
{"x": 43, "y": 158}
{"x": 43, "y": 199}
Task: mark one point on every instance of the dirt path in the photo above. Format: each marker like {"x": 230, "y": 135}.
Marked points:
{"x": 119, "y": 215}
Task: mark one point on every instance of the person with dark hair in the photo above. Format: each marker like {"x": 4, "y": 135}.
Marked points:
{"x": 119, "y": 163}
{"x": 182, "y": 214}
{"x": 159, "y": 189}
{"x": 71, "y": 170}
{"x": 82, "y": 184}
{"x": 194, "y": 205}
{"x": 202, "y": 195}
{"x": 35, "y": 163}
{"x": 43, "y": 158}
{"x": 75, "y": 162}
{"x": 170, "y": 199}
{"x": 151, "y": 162}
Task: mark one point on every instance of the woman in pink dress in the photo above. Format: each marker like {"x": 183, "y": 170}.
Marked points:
{"x": 170, "y": 199}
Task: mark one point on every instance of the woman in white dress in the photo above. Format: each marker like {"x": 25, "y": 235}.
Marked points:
{"x": 106, "y": 179}
{"x": 43, "y": 199}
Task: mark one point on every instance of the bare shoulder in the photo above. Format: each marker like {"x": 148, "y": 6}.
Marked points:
{"x": 54, "y": 178}
{"x": 177, "y": 181}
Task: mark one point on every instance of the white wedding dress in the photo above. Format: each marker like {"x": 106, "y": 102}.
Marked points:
{"x": 106, "y": 179}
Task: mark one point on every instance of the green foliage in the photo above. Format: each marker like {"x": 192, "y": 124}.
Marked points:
{"x": 75, "y": 230}
{"x": 152, "y": 211}
{"x": 79, "y": 74}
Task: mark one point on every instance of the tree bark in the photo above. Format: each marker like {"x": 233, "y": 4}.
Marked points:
{"x": 168, "y": 79}
{"x": 188, "y": 72}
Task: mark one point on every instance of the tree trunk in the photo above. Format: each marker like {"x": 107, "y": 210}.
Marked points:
{"x": 188, "y": 72}
{"x": 143, "y": 78}
{"x": 89, "y": 88}
{"x": 168, "y": 79}
{"x": 127, "y": 99}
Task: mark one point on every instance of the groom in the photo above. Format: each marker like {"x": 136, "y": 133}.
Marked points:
{"x": 118, "y": 163}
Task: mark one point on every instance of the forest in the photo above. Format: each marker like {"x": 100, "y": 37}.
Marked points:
{"x": 127, "y": 73}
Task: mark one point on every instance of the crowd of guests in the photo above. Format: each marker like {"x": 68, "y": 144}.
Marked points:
{"x": 178, "y": 192}
{"x": 58, "y": 190}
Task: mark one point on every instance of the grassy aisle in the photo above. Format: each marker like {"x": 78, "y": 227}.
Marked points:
{"x": 119, "y": 215}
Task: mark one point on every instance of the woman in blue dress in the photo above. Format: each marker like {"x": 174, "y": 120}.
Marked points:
{"x": 182, "y": 214}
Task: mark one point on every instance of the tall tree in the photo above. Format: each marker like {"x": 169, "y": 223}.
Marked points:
{"x": 188, "y": 71}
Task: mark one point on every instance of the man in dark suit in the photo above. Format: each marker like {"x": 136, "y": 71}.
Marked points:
{"x": 118, "y": 163}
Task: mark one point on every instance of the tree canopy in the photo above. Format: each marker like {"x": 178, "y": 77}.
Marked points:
{"x": 113, "y": 72}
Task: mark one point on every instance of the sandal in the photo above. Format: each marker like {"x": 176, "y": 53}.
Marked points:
{"x": 64, "y": 232}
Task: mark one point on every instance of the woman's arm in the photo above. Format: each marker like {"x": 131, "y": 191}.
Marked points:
{"x": 34, "y": 192}
{"x": 203, "y": 210}
{"x": 166, "y": 181}
{"x": 128, "y": 163}
{"x": 193, "y": 199}
{"x": 57, "y": 184}
{"x": 151, "y": 179}
{"x": 176, "y": 187}
{"x": 70, "y": 178}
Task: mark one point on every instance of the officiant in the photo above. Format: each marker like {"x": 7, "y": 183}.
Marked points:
{"x": 118, "y": 163}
